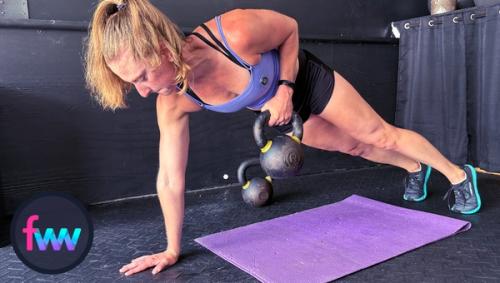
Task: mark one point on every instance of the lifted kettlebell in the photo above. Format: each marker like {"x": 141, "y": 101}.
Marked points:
{"x": 282, "y": 156}
{"x": 258, "y": 191}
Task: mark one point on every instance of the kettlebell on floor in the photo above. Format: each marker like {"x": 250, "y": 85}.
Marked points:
{"x": 258, "y": 191}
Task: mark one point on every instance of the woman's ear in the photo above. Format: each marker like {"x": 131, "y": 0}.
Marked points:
{"x": 166, "y": 52}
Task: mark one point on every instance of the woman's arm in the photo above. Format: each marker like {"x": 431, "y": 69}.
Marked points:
{"x": 174, "y": 142}
{"x": 252, "y": 32}
{"x": 269, "y": 30}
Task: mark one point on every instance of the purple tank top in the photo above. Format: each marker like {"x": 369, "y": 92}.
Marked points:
{"x": 261, "y": 87}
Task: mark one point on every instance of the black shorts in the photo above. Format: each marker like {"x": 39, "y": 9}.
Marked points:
{"x": 313, "y": 88}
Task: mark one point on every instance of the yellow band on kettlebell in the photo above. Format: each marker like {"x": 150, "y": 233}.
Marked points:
{"x": 266, "y": 147}
{"x": 269, "y": 179}
{"x": 246, "y": 185}
{"x": 296, "y": 139}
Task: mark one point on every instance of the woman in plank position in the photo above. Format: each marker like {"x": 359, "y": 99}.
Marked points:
{"x": 244, "y": 59}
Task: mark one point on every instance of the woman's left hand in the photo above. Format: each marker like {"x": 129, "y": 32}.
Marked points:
{"x": 280, "y": 106}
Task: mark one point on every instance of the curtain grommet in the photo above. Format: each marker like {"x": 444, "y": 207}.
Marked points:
{"x": 431, "y": 23}
{"x": 477, "y": 15}
{"x": 456, "y": 20}
{"x": 407, "y": 26}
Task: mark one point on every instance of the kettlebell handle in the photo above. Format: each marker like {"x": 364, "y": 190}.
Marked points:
{"x": 242, "y": 169}
{"x": 263, "y": 120}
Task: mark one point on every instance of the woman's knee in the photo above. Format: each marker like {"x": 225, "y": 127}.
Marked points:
{"x": 359, "y": 149}
{"x": 383, "y": 136}
{"x": 387, "y": 138}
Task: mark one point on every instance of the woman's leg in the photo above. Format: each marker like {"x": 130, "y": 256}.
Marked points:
{"x": 349, "y": 112}
{"x": 321, "y": 134}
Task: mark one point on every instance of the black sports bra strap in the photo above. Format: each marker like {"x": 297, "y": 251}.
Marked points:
{"x": 212, "y": 36}
{"x": 228, "y": 53}
{"x": 195, "y": 96}
{"x": 210, "y": 44}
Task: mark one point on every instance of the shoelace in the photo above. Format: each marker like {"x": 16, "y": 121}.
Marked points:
{"x": 461, "y": 196}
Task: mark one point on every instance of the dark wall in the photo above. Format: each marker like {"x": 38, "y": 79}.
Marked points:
{"x": 343, "y": 19}
{"x": 54, "y": 138}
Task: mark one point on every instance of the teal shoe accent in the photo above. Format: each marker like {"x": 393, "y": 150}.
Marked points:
{"x": 476, "y": 191}
{"x": 426, "y": 179}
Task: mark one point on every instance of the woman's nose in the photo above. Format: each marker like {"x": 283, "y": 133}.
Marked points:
{"x": 143, "y": 90}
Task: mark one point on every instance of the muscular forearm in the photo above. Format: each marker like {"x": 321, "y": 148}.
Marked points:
{"x": 172, "y": 205}
{"x": 289, "y": 51}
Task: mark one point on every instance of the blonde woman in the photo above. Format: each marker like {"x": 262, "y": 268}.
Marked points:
{"x": 244, "y": 59}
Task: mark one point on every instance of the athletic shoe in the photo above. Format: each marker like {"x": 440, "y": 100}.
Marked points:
{"x": 467, "y": 199}
{"x": 416, "y": 184}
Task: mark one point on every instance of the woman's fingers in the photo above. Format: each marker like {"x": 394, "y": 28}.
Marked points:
{"x": 160, "y": 266}
{"x": 137, "y": 268}
{"x": 284, "y": 119}
{"x": 127, "y": 267}
{"x": 277, "y": 118}
{"x": 159, "y": 261}
{"x": 141, "y": 265}
{"x": 272, "y": 117}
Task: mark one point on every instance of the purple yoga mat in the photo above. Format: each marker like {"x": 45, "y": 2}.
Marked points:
{"x": 328, "y": 242}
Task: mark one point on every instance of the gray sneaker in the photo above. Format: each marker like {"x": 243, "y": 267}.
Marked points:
{"x": 416, "y": 184}
{"x": 467, "y": 199}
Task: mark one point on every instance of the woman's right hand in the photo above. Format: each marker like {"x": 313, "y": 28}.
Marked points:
{"x": 159, "y": 261}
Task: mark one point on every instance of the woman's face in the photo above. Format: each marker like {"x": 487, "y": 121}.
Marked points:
{"x": 160, "y": 80}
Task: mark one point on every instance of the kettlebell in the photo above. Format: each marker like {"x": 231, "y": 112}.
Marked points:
{"x": 258, "y": 191}
{"x": 283, "y": 156}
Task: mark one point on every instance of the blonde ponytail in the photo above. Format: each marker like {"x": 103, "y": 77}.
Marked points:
{"x": 135, "y": 25}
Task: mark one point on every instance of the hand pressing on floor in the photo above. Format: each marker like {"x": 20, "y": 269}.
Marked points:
{"x": 159, "y": 261}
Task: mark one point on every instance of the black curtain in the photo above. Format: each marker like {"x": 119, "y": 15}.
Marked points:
{"x": 449, "y": 83}
{"x": 483, "y": 86}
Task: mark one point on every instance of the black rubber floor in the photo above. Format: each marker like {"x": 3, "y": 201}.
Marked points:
{"x": 129, "y": 229}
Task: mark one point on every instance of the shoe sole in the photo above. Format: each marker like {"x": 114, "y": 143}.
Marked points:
{"x": 427, "y": 175}
{"x": 474, "y": 183}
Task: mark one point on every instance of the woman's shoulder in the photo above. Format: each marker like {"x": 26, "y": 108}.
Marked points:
{"x": 175, "y": 103}
{"x": 235, "y": 20}
{"x": 238, "y": 19}
{"x": 236, "y": 25}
